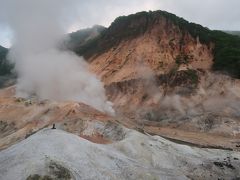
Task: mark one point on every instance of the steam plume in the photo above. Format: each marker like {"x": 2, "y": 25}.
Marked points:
{"x": 43, "y": 69}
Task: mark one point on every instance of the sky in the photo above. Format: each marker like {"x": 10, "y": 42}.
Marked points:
{"x": 214, "y": 14}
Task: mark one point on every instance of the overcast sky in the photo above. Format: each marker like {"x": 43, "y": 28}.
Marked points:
{"x": 215, "y": 14}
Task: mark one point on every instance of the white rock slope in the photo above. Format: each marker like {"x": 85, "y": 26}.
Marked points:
{"x": 59, "y": 155}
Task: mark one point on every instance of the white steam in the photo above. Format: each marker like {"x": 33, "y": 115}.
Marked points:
{"x": 43, "y": 69}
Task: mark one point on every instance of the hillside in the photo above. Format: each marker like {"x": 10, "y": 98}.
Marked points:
{"x": 3, "y": 51}
{"x": 7, "y": 77}
{"x": 5, "y": 67}
{"x": 162, "y": 74}
{"x": 80, "y": 37}
{"x": 233, "y": 32}
{"x": 221, "y": 49}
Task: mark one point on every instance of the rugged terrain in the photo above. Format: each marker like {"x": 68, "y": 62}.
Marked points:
{"x": 177, "y": 108}
{"x": 98, "y": 146}
{"x": 160, "y": 73}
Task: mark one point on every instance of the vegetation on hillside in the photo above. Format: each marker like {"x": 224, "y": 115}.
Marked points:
{"x": 227, "y": 46}
{"x": 122, "y": 28}
{"x": 5, "y": 66}
{"x": 78, "y": 38}
{"x": 226, "y": 53}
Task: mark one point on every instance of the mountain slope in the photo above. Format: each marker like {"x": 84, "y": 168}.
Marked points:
{"x": 233, "y": 32}
{"x": 79, "y": 38}
{"x": 219, "y": 48}
{"x": 5, "y": 66}
{"x": 7, "y": 78}
{"x": 146, "y": 41}
{"x": 157, "y": 70}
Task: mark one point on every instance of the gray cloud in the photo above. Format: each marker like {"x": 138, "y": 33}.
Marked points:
{"x": 215, "y": 14}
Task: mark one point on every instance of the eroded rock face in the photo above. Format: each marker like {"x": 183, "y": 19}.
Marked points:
{"x": 159, "y": 48}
